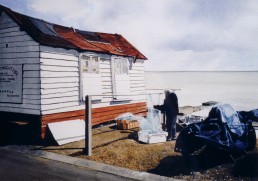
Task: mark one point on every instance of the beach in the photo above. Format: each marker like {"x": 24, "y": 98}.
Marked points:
{"x": 239, "y": 89}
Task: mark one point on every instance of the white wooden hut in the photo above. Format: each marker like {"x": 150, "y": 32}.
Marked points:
{"x": 47, "y": 69}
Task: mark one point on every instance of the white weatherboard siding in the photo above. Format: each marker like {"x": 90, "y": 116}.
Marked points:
{"x": 137, "y": 81}
{"x": 61, "y": 92}
{"x": 60, "y": 81}
{"x": 105, "y": 72}
{"x": 59, "y": 78}
{"x": 18, "y": 48}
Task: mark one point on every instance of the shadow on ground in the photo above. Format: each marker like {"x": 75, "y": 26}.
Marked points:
{"x": 246, "y": 166}
{"x": 185, "y": 165}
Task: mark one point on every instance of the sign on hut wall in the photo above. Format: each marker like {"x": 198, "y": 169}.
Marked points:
{"x": 11, "y": 83}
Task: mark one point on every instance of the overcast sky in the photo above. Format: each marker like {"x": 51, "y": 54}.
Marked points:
{"x": 176, "y": 35}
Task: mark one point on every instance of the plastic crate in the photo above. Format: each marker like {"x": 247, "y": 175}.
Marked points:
{"x": 152, "y": 138}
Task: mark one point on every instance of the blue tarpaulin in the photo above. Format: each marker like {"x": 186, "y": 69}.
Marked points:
{"x": 225, "y": 129}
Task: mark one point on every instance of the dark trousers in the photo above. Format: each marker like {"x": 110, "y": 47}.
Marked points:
{"x": 171, "y": 126}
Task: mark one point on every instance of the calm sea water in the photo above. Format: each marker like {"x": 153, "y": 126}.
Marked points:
{"x": 239, "y": 89}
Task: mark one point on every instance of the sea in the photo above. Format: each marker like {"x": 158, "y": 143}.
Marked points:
{"x": 239, "y": 89}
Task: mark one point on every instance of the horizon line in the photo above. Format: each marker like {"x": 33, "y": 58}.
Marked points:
{"x": 201, "y": 70}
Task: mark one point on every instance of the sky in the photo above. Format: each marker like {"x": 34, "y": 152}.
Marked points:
{"x": 175, "y": 35}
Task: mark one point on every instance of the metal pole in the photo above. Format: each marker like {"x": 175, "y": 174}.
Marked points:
{"x": 88, "y": 128}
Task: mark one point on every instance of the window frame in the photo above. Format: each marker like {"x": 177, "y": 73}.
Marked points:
{"x": 91, "y": 59}
{"x": 81, "y": 98}
{"x": 122, "y": 62}
{"x": 116, "y": 99}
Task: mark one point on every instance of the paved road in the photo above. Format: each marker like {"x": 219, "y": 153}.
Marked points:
{"x": 18, "y": 166}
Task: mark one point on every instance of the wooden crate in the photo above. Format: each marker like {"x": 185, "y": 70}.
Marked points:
{"x": 126, "y": 124}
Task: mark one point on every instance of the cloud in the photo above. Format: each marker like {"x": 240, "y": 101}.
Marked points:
{"x": 16, "y": 5}
{"x": 183, "y": 35}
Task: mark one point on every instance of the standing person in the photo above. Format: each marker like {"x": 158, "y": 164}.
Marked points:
{"x": 170, "y": 107}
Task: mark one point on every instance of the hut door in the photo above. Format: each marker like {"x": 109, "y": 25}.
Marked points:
{"x": 120, "y": 79}
{"x": 91, "y": 83}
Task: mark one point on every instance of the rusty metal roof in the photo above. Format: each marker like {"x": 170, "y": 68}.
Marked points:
{"x": 54, "y": 35}
{"x": 122, "y": 44}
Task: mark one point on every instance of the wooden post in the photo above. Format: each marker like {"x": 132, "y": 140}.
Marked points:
{"x": 88, "y": 131}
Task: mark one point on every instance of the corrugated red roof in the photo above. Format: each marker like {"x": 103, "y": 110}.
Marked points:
{"x": 101, "y": 43}
{"x": 50, "y": 34}
{"x": 72, "y": 37}
{"x": 122, "y": 44}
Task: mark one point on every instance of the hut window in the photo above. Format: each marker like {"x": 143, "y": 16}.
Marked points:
{"x": 90, "y": 64}
{"x": 90, "y": 78}
{"x": 120, "y": 79}
{"x": 121, "y": 66}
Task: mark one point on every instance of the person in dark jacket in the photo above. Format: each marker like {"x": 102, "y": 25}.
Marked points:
{"x": 170, "y": 107}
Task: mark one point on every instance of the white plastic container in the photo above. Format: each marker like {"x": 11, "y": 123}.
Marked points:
{"x": 152, "y": 138}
